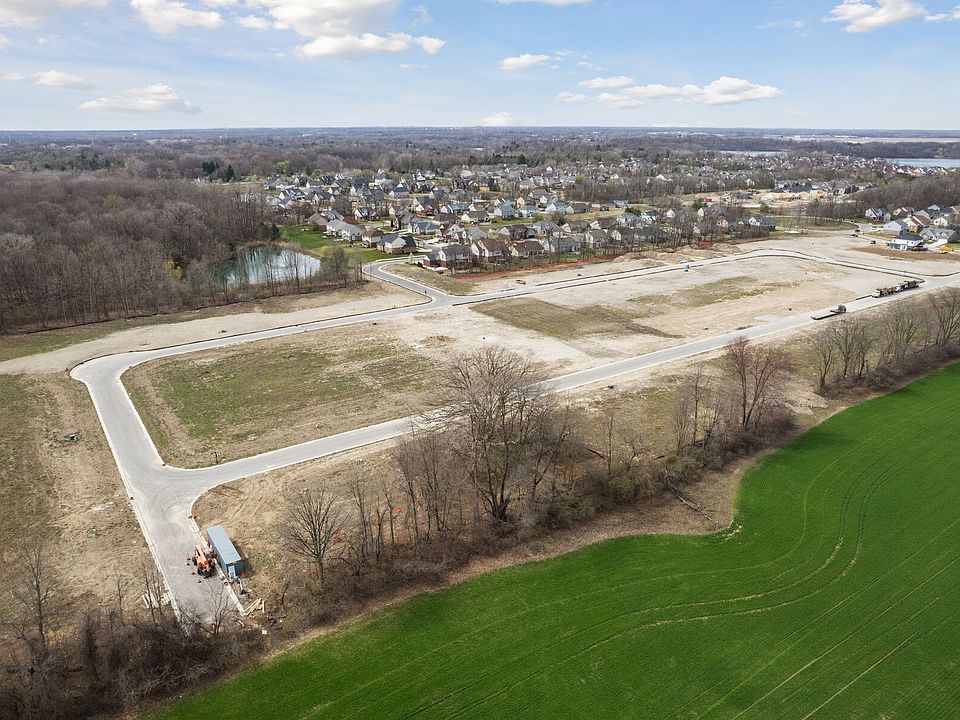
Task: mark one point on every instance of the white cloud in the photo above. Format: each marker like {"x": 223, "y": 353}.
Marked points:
{"x": 863, "y": 16}
{"x": 13, "y": 77}
{"x": 158, "y": 97}
{"x": 500, "y": 119}
{"x": 346, "y": 28}
{"x": 4, "y": 41}
{"x": 590, "y": 66}
{"x": 722, "y": 91}
{"x": 421, "y": 15}
{"x": 939, "y": 17}
{"x": 523, "y": 62}
{"x": 58, "y": 79}
{"x": 606, "y": 83}
{"x": 219, "y": 3}
{"x": 165, "y": 17}
{"x": 254, "y": 22}
{"x": 30, "y": 13}
{"x": 366, "y": 44}
{"x": 800, "y": 27}
{"x": 729, "y": 91}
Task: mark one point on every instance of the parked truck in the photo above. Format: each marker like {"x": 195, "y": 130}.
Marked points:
{"x": 893, "y": 289}
{"x": 838, "y": 310}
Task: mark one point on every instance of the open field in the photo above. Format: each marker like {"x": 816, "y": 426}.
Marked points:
{"x": 271, "y": 394}
{"x": 831, "y": 595}
{"x": 562, "y": 322}
{"x": 276, "y": 393}
{"x": 65, "y": 494}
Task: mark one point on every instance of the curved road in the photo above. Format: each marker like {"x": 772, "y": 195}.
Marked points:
{"x": 162, "y": 496}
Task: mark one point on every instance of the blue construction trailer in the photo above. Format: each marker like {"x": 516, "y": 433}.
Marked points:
{"x": 227, "y": 555}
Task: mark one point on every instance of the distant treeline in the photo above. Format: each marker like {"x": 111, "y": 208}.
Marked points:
{"x": 226, "y": 155}
{"x": 916, "y": 193}
{"x": 81, "y": 248}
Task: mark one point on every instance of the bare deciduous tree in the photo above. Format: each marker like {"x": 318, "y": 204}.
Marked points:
{"x": 755, "y": 373}
{"x": 826, "y": 352}
{"x": 903, "y": 330}
{"x": 504, "y": 427}
{"x": 310, "y": 530}
{"x": 946, "y": 311}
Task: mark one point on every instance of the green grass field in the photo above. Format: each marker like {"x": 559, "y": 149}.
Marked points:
{"x": 833, "y": 595}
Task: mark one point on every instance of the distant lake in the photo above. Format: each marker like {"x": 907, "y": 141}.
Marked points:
{"x": 757, "y": 153}
{"x": 925, "y": 162}
{"x": 268, "y": 264}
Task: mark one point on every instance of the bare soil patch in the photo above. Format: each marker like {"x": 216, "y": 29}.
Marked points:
{"x": 64, "y": 493}
{"x": 563, "y": 322}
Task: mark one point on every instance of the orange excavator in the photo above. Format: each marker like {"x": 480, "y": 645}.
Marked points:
{"x": 203, "y": 558}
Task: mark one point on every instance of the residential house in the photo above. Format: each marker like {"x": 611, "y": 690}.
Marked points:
{"x": 397, "y": 244}
{"x": 561, "y": 244}
{"x": 603, "y": 223}
{"x": 939, "y": 235}
{"x": 488, "y": 250}
{"x": 894, "y": 227}
{"x": 475, "y": 217}
{"x": 596, "y": 239}
{"x": 762, "y": 222}
{"x": 370, "y": 237}
{"x": 452, "y": 255}
{"x": 545, "y": 228}
{"x": 526, "y": 249}
{"x": 513, "y": 233}
{"x": 907, "y": 241}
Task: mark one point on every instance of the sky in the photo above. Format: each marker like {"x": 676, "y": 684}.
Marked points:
{"x": 138, "y": 64}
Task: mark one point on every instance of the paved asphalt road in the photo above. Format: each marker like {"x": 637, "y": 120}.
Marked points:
{"x": 162, "y": 496}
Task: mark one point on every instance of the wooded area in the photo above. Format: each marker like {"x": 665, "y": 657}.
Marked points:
{"x": 84, "y": 248}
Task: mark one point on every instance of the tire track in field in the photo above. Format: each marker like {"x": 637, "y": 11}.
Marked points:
{"x": 880, "y": 480}
{"x": 580, "y": 596}
{"x": 943, "y": 402}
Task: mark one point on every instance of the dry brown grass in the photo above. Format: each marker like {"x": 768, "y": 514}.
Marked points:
{"x": 266, "y": 395}
{"x": 565, "y": 323}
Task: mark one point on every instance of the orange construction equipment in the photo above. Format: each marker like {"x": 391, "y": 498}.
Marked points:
{"x": 203, "y": 559}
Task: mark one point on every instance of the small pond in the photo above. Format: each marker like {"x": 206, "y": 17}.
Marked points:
{"x": 267, "y": 264}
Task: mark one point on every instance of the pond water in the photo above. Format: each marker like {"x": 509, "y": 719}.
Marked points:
{"x": 925, "y": 162}
{"x": 270, "y": 264}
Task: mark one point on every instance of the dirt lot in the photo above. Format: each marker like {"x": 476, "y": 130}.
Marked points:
{"x": 859, "y": 250}
{"x": 252, "y": 509}
{"x": 495, "y": 280}
{"x": 262, "y": 396}
{"x": 67, "y": 493}
{"x": 251, "y": 398}
{"x": 56, "y": 350}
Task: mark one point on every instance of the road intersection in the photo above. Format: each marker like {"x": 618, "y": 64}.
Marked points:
{"x": 162, "y": 496}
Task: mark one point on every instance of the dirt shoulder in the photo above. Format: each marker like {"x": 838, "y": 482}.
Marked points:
{"x": 56, "y": 350}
